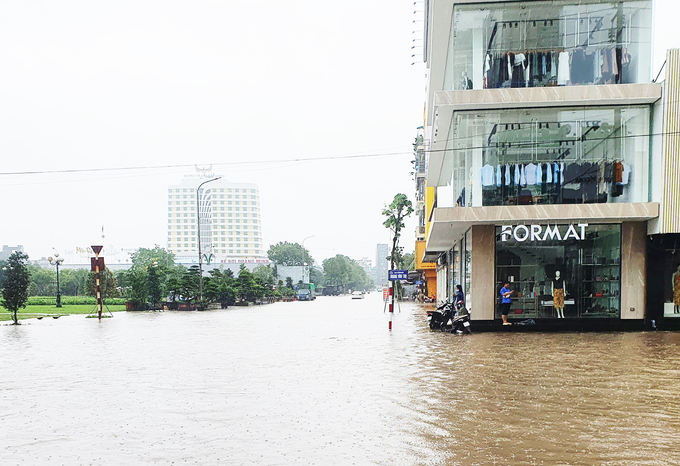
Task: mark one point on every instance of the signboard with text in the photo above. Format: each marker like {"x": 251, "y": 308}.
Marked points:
{"x": 394, "y": 275}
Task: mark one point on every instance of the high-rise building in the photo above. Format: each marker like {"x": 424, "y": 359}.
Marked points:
{"x": 230, "y": 220}
{"x": 553, "y": 154}
{"x": 382, "y": 265}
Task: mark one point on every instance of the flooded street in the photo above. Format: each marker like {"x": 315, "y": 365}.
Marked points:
{"x": 326, "y": 383}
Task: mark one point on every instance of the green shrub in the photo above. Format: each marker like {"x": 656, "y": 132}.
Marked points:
{"x": 68, "y": 300}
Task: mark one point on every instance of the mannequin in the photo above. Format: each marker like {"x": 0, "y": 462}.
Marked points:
{"x": 466, "y": 83}
{"x": 675, "y": 284}
{"x": 558, "y": 292}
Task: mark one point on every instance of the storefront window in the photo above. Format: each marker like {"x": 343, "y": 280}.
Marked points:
{"x": 671, "y": 285}
{"x": 551, "y": 156}
{"x": 549, "y": 43}
{"x": 575, "y": 266}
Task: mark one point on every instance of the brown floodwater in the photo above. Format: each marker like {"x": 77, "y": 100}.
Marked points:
{"x": 326, "y": 383}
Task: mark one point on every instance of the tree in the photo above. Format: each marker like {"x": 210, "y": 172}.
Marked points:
{"x": 15, "y": 284}
{"x": 156, "y": 287}
{"x": 107, "y": 284}
{"x": 219, "y": 286}
{"x": 316, "y": 276}
{"x": 148, "y": 276}
{"x": 43, "y": 281}
{"x": 409, "y": 261}
{"x": 396, "y": 212}
{"x": 285, "y": 253}
{"x": 73, "y": 282}
{"x": 189, "y": 281}
{"x": 144, "y": 257}
{"x": 138, "y": 282}
{"x": 247, "y": 288}
{"x": 341, "y": 270}
{"x": 264, "y": 275}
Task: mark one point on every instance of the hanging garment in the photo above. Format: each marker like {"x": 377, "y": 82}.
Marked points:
{"x": 487, "y": 70}
{"x": 498, "y": 176}
{"x": 530, "y": 173}
{"x": 539, "y": 175}
{"x": 563, "y": 69}
{"x": 548, "y": 174}
{"x": 556, "y": 173}
{"x": 581, "y": 67}
{"x": 618, "y": 172}
{"x": 571, "y": 191}
{"x": 625, "y": 173}
{"x": 597, "y": 66}
{"x": 518, "y": 75}
{"x": 589, "y": 181}
{"x": 487, "y": 175}
{"x": 520, "y": 174}
{"x": 507, "y": 175}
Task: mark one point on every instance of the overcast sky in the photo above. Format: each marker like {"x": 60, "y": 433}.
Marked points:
{"x": 167, "y": 83}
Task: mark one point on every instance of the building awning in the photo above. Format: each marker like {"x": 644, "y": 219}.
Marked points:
{"x": 450, "y": 224}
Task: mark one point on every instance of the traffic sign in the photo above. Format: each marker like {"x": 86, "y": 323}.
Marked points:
{"x": 397, "y": 275}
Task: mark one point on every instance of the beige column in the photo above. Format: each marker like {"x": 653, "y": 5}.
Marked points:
{"x": 482, "y": 263}
{"x": 633, "y": 269}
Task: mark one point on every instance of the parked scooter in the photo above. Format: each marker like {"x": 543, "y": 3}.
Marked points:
{"x": 447, "y": 319}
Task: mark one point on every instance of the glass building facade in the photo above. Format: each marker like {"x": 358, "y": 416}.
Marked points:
{"x": 549, "y": 43}
{"x": 550, "y": 156}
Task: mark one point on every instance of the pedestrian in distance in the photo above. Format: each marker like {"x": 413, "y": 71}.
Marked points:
{"x": 505, "y": 302}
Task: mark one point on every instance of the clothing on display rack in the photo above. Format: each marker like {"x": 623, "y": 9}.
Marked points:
{"x": 558, "y": 67}
{"x": 554, "y": 182}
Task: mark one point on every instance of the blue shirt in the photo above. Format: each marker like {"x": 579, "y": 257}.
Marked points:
{"x": 505, "y": 299}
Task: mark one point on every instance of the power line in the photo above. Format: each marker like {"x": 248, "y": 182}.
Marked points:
{"x": 166, "y": 167}
{"x": 551, "y": 143}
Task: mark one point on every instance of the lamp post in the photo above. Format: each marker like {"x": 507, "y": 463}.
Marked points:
{"x": 305, "y": 265}
{"x": 198, "y": 227}
{"x": 57, "y": 261}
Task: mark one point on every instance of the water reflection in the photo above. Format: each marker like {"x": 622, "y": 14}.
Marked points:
{"x": 325, "y": 382}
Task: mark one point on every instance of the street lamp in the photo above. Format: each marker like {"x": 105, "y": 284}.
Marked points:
{"x": 305, "y": 265}
{"x": 198, "y": 227}
{"x": 57, "y": 261}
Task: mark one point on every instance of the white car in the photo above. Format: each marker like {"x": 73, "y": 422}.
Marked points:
{"x": 357, "y": 295}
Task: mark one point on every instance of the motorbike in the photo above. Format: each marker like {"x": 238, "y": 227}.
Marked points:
{"x": 446, "y": 312}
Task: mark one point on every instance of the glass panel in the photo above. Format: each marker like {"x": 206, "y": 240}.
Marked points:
{"x": 552, "y": 156}
{"x": 583, "y": 262}
{"x": 549, "y": 43}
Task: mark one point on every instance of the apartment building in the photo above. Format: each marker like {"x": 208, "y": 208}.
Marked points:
{"x": 553, "y": 156}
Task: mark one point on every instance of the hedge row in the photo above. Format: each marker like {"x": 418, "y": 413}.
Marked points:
{"x": 51, "y": 300}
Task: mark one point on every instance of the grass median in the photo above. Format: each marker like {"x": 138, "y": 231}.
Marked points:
{"x": 33, "y": 311}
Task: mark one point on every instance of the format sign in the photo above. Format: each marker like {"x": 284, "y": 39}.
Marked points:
{"x": 397, "y": 275}
{"x": 521, "y": 233}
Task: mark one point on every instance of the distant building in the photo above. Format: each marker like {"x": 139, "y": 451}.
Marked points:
{"x": 381, "y": 264}
{"x": 231, "y": 229}
{"x": 425, "y": 196}
{"x": 8, "y": 250}
{"x": 366, "y": 264}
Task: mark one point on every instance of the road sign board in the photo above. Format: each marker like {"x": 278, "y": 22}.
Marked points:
{"x": 397, "y": 275}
